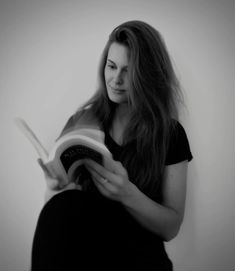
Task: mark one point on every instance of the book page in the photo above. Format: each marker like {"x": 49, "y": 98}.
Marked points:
{"x": 26, "y": 130}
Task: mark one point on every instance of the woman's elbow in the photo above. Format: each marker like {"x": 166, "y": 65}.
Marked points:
{"x": 170, "y": 235}
{"x": 172, "y": 230}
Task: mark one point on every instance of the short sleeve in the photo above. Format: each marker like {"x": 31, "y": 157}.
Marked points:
{"x": 70, "y": 125}
{"x": 178, "y": 149}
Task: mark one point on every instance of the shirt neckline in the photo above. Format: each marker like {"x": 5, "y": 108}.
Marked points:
{"x": 109, "y": 137}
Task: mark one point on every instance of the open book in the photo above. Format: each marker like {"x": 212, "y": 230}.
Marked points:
{"x": 64, "y": 161}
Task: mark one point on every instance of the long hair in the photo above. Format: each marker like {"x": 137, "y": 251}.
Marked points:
{"x": 153, "y": 96}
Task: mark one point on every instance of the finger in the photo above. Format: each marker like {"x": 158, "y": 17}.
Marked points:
{"x": 52, "y": 183}
{"x": 43, "y": 167}
{"x": 95, "y": 166}
{"x": 50, "y": 173}
{"x": 105, "y": 186}
{"x": 101, "y": 188}
{"x": 114, "y": 166}
{"x": 119, "y": 168}
{"x": 72, "y": 186}
{"x": 111, "y": 166}
{"x": 98, "y": 178}
{"x": 100, "y": 170}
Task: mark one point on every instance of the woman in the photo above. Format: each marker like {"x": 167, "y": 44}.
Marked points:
{"x": 139, "y": 199}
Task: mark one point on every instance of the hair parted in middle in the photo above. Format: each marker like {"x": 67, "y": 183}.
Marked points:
{"x": 152, "y": 100}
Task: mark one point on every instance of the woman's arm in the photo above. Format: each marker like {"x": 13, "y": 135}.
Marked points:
{"x": 163, "y": 219}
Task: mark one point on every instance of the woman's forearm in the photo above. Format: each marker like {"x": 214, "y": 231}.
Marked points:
{"x": 162, "y": 220}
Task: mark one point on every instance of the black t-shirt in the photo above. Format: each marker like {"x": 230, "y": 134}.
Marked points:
{"x": 178, "y": 151}
{"x": 143, "y": 248}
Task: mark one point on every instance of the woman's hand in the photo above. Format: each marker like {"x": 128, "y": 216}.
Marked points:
{"x": 53, "y": 185}
{"x": 112, "y": 180}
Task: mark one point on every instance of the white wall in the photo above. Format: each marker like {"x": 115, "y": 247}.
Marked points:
{"x": 49, "y": 52}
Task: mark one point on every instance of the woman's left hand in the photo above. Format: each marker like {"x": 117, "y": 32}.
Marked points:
{"x": 112, "y": 181}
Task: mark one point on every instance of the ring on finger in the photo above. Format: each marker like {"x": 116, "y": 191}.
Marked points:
{"x": 104, "y": 180}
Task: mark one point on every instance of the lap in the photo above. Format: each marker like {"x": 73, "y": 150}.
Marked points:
{"x": 76, "y": 225}
{"x": 97, "y": 231}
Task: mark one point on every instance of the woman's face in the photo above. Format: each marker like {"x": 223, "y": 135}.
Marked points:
{"x": 116, "y": 73}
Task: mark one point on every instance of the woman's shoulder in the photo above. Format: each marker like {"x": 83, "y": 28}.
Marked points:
{"x": 176, "y": 128}
{"x": 83, "y": 117}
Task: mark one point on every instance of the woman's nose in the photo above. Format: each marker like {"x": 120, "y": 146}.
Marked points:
{"x": 118, "y": 78}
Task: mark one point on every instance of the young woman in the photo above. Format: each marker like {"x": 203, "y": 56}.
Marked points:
{"x": 139, "y": 199}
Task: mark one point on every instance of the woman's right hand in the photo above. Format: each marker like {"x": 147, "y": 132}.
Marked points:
{"x": 53, "y": 185}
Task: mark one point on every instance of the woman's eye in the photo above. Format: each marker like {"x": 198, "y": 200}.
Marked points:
{"x": 111, "y": 66}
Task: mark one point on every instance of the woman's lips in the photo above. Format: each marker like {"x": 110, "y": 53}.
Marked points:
{"x": 117, "y": 90}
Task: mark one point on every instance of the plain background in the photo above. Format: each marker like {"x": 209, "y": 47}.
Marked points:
{"x": 49, "y": 53}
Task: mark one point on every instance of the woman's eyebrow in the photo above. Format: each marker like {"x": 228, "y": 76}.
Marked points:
{"x": 111, "y": 61}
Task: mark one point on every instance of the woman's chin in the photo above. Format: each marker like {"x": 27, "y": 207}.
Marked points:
{"x": 118, "y": 98}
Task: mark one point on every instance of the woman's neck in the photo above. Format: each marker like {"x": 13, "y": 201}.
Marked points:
{"x": 119, "y": 123}
{"x": 122, "y": 113}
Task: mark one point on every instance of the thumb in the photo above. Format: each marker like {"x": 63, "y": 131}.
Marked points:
{"x": 72, "y": 186}
{"x": 109, "y": 164}
{"x": 43, "y": 167}
{"x": 52, "y": 183}
{"x": 114, "y": 166}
